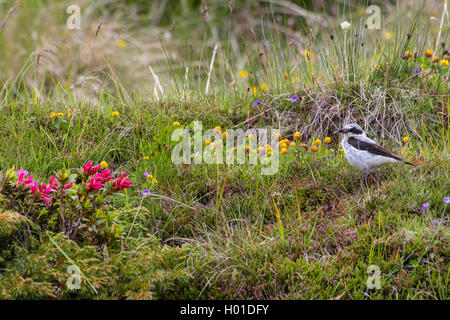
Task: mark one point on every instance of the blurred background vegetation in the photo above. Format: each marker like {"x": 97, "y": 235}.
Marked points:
{"x": 120, "y": 39}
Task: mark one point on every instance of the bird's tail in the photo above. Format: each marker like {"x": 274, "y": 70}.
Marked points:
{"x": 406, "y": 162}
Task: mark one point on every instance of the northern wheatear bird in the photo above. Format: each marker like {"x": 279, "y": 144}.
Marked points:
{"x": 364, "y": 153}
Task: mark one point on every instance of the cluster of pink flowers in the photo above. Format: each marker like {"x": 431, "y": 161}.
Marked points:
{"x": 23, "y": 178}
{"x": 89, "y": 170}
{"x": 98, "y": 181}
{"x": 101, "y": 177}
{"x": 42, "y": 191}
{"x": 53, "y": 183}
{"x": 121, "y": 183}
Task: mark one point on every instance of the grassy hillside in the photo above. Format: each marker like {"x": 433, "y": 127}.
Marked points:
{"x": 223, "y": 231}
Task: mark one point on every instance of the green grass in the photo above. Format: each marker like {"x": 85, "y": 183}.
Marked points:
{"x": 226, "y": 231}
{"x": 231, "y": 238}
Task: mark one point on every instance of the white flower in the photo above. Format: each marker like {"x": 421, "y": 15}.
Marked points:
{"x": 345, "y": 25}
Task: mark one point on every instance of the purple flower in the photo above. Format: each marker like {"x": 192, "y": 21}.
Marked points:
{"x": 256, "y": 103}
{"x": 416, "y": 70}
{"x": 425, "y": 206}
{"x": 145, "y": 192}
{"x": 294, "y": 99}
{"x": 146, "y": 174}
{"x": 435, "y": 222}
{"x": 446, "y": 200}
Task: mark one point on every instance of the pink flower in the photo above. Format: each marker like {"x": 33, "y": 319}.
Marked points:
{"x": 53, "y": 183}
{"x": 47, "y": 200}
{"x": 89, "y": 170}
{"x": 94, "y": 184}
{"x": 21, "y": 173}
{"x": 121, "y": 183}
{"x": 33, "y": 186}
{"x": 23, "y": 178}
{"x": 104, "y": 176}
{"x": 69, "y": 185}
{"x": 43, "y": 191}
{"x": 98, "y": 181}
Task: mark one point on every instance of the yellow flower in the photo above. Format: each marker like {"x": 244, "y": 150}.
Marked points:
{"x": 243, "y": 74}
{"x": 145, "y": 158}
{"x": 53, "y": 115}
{"x": 435, "y": 59}
{"x": 444, "y": 63}
{"x": 293, "y": 144}
{"x": 269, "y": 147}
{"x": 405, "y": 139}
{"x": 327, "y": 140}
{"x": 121, "y": 43}
{"x": 341, "y": 150}
{"x": 103, "y": 165}
{"x": 251, "y": 137}
{"x": 306, "y": 53}
{"x": 207, "y": 143}
{"x": 247, "y": 148}
{"x": 60, "y": 114}
{"x": 115, "y": 114}
{"x": 255, "y": 90}
{"x": 218, "y": 128}
{"x": 297, "y": 135}
{"x": 314, "y": 148}
{"x": 317, "y": 141}
{"x": 293, "y": 79}
{"x": 331, "y": 150}
{"x": 263, "y": 86}
{"x": 388, "y": 35}
{"x": 149, "y": 177}
{"x": 284, "y": 150}
{"x": 225, "y": 134}
{"x": 269, "y": 152}
{"x": 428, "y": 53}
{"x": 176, "y": 124}
{"x": 407, "y": 54}
{"x": 283, "y": 145}
{"x": 285, "y": 76}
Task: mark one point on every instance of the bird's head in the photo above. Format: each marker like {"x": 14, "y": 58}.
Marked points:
{"x": 351, "y": 130}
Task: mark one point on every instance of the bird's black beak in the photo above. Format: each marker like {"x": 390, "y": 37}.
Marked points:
{"x": 341, "y": 131}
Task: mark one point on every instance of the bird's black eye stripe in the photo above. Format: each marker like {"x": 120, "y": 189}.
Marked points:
{"x": 356, "y": 130}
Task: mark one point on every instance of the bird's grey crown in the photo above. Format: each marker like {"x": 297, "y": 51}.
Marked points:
{"x": 353, "y": 126}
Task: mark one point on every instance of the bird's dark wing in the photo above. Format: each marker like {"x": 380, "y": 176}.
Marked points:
{"x": 373, "y": 148}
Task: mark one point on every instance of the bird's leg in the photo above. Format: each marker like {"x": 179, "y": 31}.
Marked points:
{"x": 360, "y": 185}
{"x": 374, "y": 176}
{"x": 363, "y": 181}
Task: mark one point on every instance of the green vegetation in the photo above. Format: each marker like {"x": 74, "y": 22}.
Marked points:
{"x": 207, "y": 231}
